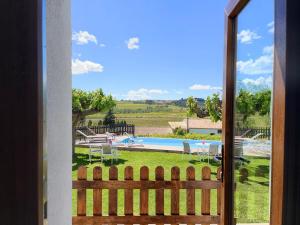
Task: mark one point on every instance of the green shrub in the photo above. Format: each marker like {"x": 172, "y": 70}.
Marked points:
{"x": 179, "y": 131}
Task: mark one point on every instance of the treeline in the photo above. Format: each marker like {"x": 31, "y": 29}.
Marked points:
{"x": 183, "y": 102}
{"x": 247, "y": 104}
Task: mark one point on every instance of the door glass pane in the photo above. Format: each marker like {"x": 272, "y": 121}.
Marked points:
{"x": 252, "y": 112}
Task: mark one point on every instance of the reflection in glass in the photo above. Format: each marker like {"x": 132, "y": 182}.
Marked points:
{"x": 252, "y": 112}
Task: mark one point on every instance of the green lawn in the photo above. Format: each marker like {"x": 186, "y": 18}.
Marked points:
{"x": 252, "y": 194}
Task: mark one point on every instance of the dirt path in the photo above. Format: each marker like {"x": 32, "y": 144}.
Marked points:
{"x": 152, "y": 130}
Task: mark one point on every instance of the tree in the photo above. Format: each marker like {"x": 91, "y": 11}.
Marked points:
{"x": 110, "y": 118}
{"x": 245, "y": 104}
{"x": 87, "y": 103}
{"x": 191, "y": 105}
{"x": 213, "y": 106}
{"x": 262, "y": 102}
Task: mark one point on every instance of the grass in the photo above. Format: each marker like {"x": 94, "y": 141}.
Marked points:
{"x": 252, "y": 194}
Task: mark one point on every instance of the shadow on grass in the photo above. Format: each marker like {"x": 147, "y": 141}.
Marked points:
{"x": 81, "y": 159}
{"x": 211, "y": 162}
{"x": 262, "y": 171}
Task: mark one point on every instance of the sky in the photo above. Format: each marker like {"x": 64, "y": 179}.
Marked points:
{"x": 163, "y": 49}
{"x": 255, "y": 46}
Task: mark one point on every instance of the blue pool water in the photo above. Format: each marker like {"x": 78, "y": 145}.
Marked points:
{"x": 174, "y": 142}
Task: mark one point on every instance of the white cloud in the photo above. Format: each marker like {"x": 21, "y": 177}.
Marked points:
{"x": 260, "y": 82}
{"x": 268, "y": 50}
{"x": 247, "y": 36}
{"x": 133, "y": 43}
{"x": 102, "y": 45}
{"x": 201, "y": 87}
{"x": 145, "y": 94}
{"x": 271, "y": 27}
{"x": 83, "y": 37}
{"x": 82, "y": 67}
{"x": 261, "y": 65}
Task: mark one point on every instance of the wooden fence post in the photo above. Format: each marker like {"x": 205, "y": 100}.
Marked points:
{"x": 113, "y": 193}
{"x": 159, "y": 197}
{"x": 128, "y": 198}
{"x": 97, "y": 193}
{"x": 81, "y": 193}
{"x": 205, "y": 197}
{"x": 144, "y": 193}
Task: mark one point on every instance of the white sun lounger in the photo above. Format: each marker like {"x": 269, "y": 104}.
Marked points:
{"x": 93, "y": 138}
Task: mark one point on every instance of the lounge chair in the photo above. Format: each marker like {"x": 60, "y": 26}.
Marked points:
{"x": 112, "y": 136}
{"x": 93, "y": 138}
{"x": 252, "y": 138}
{"x": 108, "y": 134}
{"x": 105, "y": 150}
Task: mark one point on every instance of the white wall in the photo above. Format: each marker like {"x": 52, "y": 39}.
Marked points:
{"x": 59, "y": 112}
{"x": 203, "y": 131}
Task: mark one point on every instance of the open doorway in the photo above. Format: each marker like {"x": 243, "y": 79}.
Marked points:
{"x": 147, "y": 84}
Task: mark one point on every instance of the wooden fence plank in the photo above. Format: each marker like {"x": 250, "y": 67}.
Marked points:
{"x": 159, "y": 195}
{"x": 219, "y": 191}
{"x": 81, "y": 193}
{"x": 144, "y": 192}
{"x": 113, "y": 193}
{"x": 205, "y": 196}
{"x": 190, "y": 193}
{"x": 97, "y": 193}
{"x": 175, "y": 176}
{"x": 128, "y": 198}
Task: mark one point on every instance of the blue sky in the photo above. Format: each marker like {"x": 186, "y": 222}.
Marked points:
{"x": 160, "y": 49}
{"x": 255, "y": 46}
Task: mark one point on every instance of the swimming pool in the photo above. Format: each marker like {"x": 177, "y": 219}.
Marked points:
{"x": 174, "y": 142}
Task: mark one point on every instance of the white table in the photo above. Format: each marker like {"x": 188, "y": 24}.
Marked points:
{"x": 203, "y": 149}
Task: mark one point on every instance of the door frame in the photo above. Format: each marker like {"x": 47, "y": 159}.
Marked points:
{"x": 232, "y": 11}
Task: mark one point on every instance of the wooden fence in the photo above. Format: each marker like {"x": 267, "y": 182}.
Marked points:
{"x": 119, "y": 129}
{"x": 144, "y": 185}
{"x": 250, "y": 132}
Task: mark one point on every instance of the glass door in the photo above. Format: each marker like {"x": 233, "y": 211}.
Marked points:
{"x": 252, "y": 112}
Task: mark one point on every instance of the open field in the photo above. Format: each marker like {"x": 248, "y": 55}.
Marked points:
{"x": 159, "y": 114}
{"x": 252, "y": 194}
{"x": 145, "y": 115}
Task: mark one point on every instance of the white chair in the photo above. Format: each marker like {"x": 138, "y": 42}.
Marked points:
{"x": 186, "y": 148}
{"x": 105, "y": 150}
{"x": 213, "y": 150}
